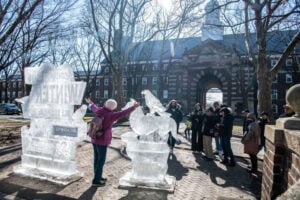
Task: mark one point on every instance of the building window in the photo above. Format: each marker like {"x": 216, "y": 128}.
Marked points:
{"x": 154, "y": 80}
{"x": 166, "y": 80}
{"x": 97, "y": 94}
{"x": 105, "y": 95}
{"x": 106, "y": 81}
{"x": 125, "y": 69}
{"x": 98, "y": 81}
{"x": 106, "y": 69}
{"x": 19, "y": 94}
{"x": 125, "y": 93}
{"x": 144, "y": 81}
{"x": 273, "y": 62}
{"x": 165, "y": 67}
{"x": 275, "y": 108}
{"x": 165, "y": 94}
{"x": 274, "y": 94}
{"x": 154, "y": 92}
{"x": 289, "y": 62}
{"x": 275, "y": 79}
{"x": 14, "y": 84}
{"x": 144, "y": 68}
{"x": 116, "y": 92}
{"x": 155, "y": 67}
{"x": 124, "y": 81}
{"x": 20, "y": 84}
{"x": 134, "y": 81}
{"x": 288, "y": 78}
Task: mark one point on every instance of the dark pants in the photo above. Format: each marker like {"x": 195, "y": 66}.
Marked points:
{"x": 226, "y": 145}
{"x": 99, "y": 160}
{"x": 197, "y": 140}
{"x": 171, "y": 141}
{"x": 253, "y": 159}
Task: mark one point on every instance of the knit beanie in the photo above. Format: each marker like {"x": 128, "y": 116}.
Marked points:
{"x": 111, "y": 104}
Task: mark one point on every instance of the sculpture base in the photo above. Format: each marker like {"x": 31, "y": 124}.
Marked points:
{"x": 59, "y": 178}
{"x": 128, "y": 182}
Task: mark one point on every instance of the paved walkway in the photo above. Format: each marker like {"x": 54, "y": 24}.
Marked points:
{"x": 195, "y": 178}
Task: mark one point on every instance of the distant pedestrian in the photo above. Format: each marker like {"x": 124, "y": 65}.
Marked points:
{"x": 175, "y": 110}
{"x": 218, "y": 150}
{"x": 197, "y": 137}
{"x": 288, "y": 111}
{"x": 263, "y": 121}
{"x": 245, "y": 125}
{"x": 188, "y": 125}
{"x": 251, "y": 141}
{"x": 225, "y": 131}
{"x": 100, "y": 144}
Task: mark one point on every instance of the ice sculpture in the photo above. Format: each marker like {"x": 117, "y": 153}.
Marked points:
{"x": 147, "y": 146}
{"x": 49, "y": 144}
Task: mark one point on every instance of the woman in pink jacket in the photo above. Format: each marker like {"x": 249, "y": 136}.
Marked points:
{"x": 100, "y": 144}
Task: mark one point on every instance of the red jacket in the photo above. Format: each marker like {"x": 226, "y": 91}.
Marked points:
{"x": 109, "y": 118}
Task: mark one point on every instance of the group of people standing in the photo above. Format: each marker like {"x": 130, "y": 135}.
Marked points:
{"x": 214, "y": 122}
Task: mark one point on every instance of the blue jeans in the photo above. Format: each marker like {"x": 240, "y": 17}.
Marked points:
{"x": 218, "y": 143}
{"x": 99, "y": 161}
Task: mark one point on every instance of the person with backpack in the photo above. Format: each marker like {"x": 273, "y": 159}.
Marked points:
{"x": 101, "y": 143}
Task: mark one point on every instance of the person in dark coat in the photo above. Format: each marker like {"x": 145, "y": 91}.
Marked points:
{"x": 174, "y": 109}
{"x": 245, "y": 124}
{"x": 197, "y": 119}
{"x": 288, "y": 111}
{"x": 219, "y": 150}
{"x": 225, "y": 131}
{"x": 208, "y": 130}
{"x": 263, "y": 121}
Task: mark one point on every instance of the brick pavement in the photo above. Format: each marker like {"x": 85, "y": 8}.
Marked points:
{"x": 195, "y": 178}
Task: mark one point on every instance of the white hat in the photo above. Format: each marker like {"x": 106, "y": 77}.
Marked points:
{"x": 111, "y": 104}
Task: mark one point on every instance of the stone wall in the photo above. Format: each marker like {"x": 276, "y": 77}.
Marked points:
{"x": 281, "y": 169}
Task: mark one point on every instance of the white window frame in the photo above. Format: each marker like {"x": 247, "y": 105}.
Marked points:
{"x": 124, "y": 81}
{"x": 154, "y": 80}
{"x": 165, "y": 67}
{"x": 165, "y": 94}
{"x": 97, "y": 81}
{"x": 273, "y": 62}
{"x": 275, "y": 79}
{"x": 154, "y": 92}
{"x": 97, "y": 94}
{"x": 105, "y": 93}
{"x": 275, "y": 108}
{"x": 289, "y": 62}
{"x": 144, "y": 80}
{"x": 288, "y": 78}
{"x": 274, "y": 94}
{"x": 144, "y": 68}
{"x": 106, "y": 81}
{"x": 155, "y": 67}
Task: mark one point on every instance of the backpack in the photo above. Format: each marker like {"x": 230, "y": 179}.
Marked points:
{"x": 96, "y": 129}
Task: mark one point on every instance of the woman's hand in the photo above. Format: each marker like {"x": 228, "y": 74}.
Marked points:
{"x": 88, "y": 101}
{"x": 136, "y": 104}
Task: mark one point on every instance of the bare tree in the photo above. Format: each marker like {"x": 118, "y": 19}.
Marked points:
{"x": 269, "y": 15}
{"x": 121, "y": 26}
{"x": 86, "y": 61}
{"x": 13, "y": 15}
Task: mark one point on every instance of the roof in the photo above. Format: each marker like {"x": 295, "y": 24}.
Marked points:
{"x": 161, "y": 49}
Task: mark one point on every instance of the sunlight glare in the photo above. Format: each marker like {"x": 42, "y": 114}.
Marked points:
{"x": 165, "y": 4}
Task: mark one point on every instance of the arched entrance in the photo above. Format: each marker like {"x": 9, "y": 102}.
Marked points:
{"x": 205, "y": 84}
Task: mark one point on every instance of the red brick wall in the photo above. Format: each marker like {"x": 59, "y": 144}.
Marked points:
{"x": 281, "y": 168}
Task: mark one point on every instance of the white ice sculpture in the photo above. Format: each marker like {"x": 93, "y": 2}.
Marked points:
{"x": 49, "y": 144}
{"x": 147, "y": 146}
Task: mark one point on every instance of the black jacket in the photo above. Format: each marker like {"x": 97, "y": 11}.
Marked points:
{"x": 197, "y": 119}
{"x": 209, "y": 125}
{"x": 227, "y": 125}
